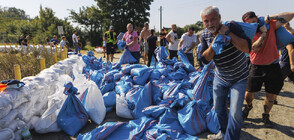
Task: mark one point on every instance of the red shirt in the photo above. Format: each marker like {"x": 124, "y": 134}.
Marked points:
{"x": 268, "y": 52}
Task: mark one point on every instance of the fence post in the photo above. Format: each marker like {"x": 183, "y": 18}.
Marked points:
{"x": 17, "y": 73}
{"x": 10, "y": 47}
{"x": 42, "y": 63}
{"x": 62, "y": 55}
{"x": 55, "y": 58}
{"x": 39, "y": 48}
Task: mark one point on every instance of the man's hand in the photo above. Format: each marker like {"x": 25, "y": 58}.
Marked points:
{"x": 171, "y": 42}
{"x": 223, "y": 29}
{"x": 187, "y": 50}
{"x": 292, "y": 67}
{"x": 263, "y": 29}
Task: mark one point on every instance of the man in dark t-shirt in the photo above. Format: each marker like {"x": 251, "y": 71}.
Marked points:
{"x": 20, "y": 40}
{"x": 152, "y": 43}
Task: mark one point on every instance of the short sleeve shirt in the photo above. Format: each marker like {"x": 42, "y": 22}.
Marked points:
{"x": 268, "y": 52}
{"x": 74, "y": 37}
{"x": 129, "y": 38}
{"x": 188, "y": 40}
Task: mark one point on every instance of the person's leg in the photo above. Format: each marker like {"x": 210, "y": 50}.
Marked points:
{"x": 235, "y": 117}
{"x": 112, "y": 53}
{"x": 273, "y": 85}
{"x": 149, "y": 58}
{"x": 220, "y": 93}
{"x": 255, "y": 81}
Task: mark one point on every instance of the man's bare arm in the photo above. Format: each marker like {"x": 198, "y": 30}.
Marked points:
{"x": 281, "y": 18}
{"x": 168, "y": 38}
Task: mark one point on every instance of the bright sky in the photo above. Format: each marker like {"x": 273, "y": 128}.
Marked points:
{"x": 180, "y": 12}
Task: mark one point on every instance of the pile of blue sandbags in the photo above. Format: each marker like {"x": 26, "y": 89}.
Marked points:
{"x": 169, "y": 99}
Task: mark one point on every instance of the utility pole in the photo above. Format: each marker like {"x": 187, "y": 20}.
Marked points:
{"x": 160, "y": 17}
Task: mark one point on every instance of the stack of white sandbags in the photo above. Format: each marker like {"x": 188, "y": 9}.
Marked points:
{"x": 26, "y": 48}
{"x": 37, "y": 103}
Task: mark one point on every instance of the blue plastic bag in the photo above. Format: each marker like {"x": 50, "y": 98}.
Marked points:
{"x": 127, "y": 69}
{"x": 109, "y": 100}
{"x": 72, "y": 116}
{"x": 107, "y": 87}
{"x": 248, "y": 28}
{"x": 138, "y": 98}
{"x": 203, "y": 88}
{"x": 121, "y": 44}
{"x": 161, "y": 53}
{"x": 212, "y": 122}
{"x": 192, "y": 117}
{"x": 127, "y": 58}
{"x": 188, "y": 67}
{"x": 219, "y": 42}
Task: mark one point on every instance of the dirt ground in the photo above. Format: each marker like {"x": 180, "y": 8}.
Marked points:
{"x": 281, "y": 114}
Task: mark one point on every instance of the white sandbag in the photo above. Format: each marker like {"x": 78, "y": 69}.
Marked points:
{"x": 33, "y": 82}
{"x": 4, "y": 122}
{"x": 33, "y": 121}
{"x": 6, "y": 134}
{"x": 13, "y": 124}
{"x": 13, "y": 94}
{"x": 94, "y": 103}
{"x": 18, "y": 102}
{"x": 25, "y": 112}
{"x": 5, "y": 105}
{"x": 47, "y": 123}
{"x": 18, "y": 135}
{"x": 122, "y": 109}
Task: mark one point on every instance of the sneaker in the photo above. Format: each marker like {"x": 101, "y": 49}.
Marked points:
{"x": 218, "y": 136}
{"x": 246, "y": 110}
{"x": 266, "y": 121}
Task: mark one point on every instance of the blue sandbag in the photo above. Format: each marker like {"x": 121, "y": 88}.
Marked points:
{"x": 117, "y": 76}
{"x": 139, "y": 71}
{"x": 203, "y": 88}
{"x": 155, "y": 75}
{"x": 192, "y": 117}
{"x": 141, "y": 80}
{"x": 127, "y": 69}
{"x": 121, "y": 44}
{"x": 107, "y": 87}
{"x": 164, "y": 115}
{"x": 123, "y": 88}
{"x": 97, "y": 77}
{"x": 219, "y": 42}
{"x": 189, "y": 68}
{"x": 248, "y": 28}
{"x": 72, "y": 116}
{"x": 161, "y": 53}
{"x": 212, "y": 122}
{"x": 138, "y": 98}
{"x": 109, "y": 99}
{"x": 178, "y": 75}
{"x": 109, "y": 77}
{"x": 127, "y": 58}
{"x": 134, "y": 129}
{"x": 162, "y": 132}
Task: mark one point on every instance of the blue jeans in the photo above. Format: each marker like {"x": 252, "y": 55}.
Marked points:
{"x": 230, "y": 125}
{"x": 76, "y": 47}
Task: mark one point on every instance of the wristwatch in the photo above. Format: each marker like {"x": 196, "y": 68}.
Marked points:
{"x": 227, "y": 32}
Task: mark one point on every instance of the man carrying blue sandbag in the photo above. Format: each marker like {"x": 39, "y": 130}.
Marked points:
{"x": 188, "y": 42}
{"x": 231, "y": 70}
{"x": 265, "y": 68}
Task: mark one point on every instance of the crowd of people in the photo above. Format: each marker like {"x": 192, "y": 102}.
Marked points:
{"x": 243, "y": 66}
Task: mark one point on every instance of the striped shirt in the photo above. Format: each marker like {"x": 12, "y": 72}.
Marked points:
{"x": 231, "y": 65}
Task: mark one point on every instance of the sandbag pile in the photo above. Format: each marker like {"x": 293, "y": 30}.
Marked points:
{"x": 26, "y": 48}
{"x": 38, "y": 102}
{"x": 170, "y": 99}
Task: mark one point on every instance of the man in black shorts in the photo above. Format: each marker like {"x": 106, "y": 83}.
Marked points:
{"x": 110, "y": 39}
{"x": 265, "y": 67}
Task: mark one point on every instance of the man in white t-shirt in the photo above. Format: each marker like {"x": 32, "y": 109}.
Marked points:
{"x": 188, "y": 43}
{"x": 75, "y": 41}
{"x": 173, "y": 39}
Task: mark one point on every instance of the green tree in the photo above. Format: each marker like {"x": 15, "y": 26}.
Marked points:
{"x": 122, "y": 12}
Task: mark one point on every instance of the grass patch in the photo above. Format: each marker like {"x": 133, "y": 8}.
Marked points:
{"x": 29, "y": 63}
